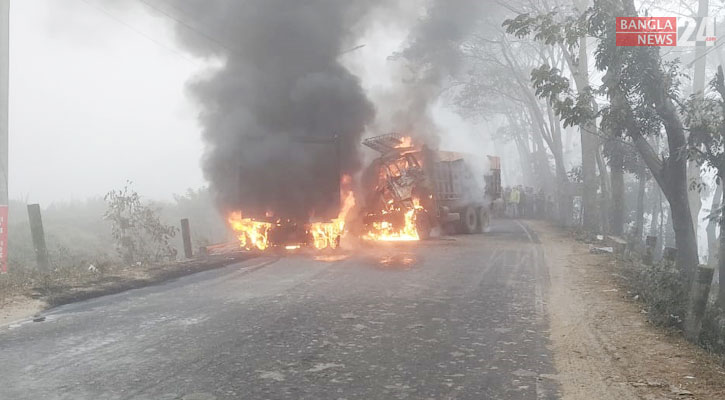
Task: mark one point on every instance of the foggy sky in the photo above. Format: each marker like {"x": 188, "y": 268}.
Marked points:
{"x": 92, "y": 103}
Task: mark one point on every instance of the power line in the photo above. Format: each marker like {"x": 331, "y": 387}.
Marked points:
{"x": 358, "y": 47}
{"x": 135, "y": 30}
{"x": 188, "y": 26}
{"x": 208, "y": 36}
{"x": 708, "y": 51}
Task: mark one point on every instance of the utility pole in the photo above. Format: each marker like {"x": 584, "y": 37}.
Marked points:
{"x": 4, "y": 101}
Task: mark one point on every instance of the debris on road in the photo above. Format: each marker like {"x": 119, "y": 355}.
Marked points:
{"x": 601, "y": 250}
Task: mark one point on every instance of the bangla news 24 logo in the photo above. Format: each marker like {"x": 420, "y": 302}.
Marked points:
{"x": 665, "y": 31}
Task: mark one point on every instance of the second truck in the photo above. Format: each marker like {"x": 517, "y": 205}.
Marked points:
{"x": 413, "y": 190}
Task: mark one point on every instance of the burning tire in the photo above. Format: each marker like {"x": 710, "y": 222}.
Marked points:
{"x": 422, "y": 224}
{"x": 469, "y": 220}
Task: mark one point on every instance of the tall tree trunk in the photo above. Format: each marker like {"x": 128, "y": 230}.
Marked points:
{"x": 562, "y": 180}
{"x": 639, "y": 220}
{"x": 540, "y": 158}
{"x": 521, "y": 140}
{"x": 589, "y": 149}
{"x": 671, "y": 174}
{"x": 605, "y": 185}
{"x": 656, "y": 206}
{"x": 588, "y": 133}
{"x": 721, "y": 260}
{"x": 712, "y": 225}
{"x": 616, "y": 164}
{"x": 698, "y": 90}
{"x": 693, "y": 194}
{"x": 675, "y": 190}
{"x": 668, "y": 233}
{"x": 663, "y": 233}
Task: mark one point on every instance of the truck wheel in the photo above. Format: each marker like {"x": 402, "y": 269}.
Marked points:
{"x": 469, "y": 220}
{"x": 483, "y": 220}
{"x": 422, "y": 224}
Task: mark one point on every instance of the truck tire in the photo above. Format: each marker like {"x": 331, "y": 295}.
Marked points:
{"x": 469, "y": 220}
{"x": 422, "y": 224}
{"x": 483, "y": 219}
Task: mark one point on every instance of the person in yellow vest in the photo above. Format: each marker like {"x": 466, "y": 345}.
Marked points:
{"x": 514, "y": 201}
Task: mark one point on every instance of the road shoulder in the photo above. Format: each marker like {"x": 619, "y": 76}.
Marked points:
{"x": 28, "y": 302}
{"x": 603, "y": 346}
{"x": 19, "y": 308}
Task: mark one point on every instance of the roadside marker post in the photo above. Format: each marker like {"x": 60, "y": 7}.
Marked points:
{"x": 186, "y": 236}
{"x": 649, "y": 250}
{"x": 36, "y": 231}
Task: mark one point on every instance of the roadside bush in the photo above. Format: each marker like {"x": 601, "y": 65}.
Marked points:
{"x": 136, "y": 228}
{"x": 712, "y": 336}
{"x": 83, "y": 239}
{"x": 661, "y": 288}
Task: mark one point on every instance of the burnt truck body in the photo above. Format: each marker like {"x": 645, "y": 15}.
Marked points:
{"x": 450, "y": 190}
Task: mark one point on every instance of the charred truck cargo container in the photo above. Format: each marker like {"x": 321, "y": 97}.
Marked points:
{"x": 453, "y": 191}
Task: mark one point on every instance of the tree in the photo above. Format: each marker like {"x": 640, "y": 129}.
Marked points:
{"x": 499, "y": 84}
{"x": 568, "y": 35}
{"x": 136, "y": 228}
{"x": 705, "y": 117}
{"x": 642, "y": 91}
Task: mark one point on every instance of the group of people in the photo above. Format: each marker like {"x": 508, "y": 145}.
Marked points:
{"x": 524, "y": 202}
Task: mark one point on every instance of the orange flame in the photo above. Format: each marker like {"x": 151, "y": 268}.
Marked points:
{"x": 250, "y": 233}
{"x": 385, "y": 231}
{"x": 405, "y": 141}
{"x": 328, "y": 234}
{"x": 255, "y": 234}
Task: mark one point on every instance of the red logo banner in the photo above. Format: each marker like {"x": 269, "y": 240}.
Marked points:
{"x": 646, "y": 31}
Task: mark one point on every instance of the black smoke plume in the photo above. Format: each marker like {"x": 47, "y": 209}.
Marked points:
{"x": 271, "y": 113}
{"x": 432, "y": 55}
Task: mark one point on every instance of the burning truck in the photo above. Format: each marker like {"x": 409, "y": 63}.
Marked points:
{"x": 413, "y": 190}
{"x": 271, "y": 232}
{"x": 409, "y": 191}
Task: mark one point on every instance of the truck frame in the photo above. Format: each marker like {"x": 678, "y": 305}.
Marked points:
{"x": 443, "y": 188}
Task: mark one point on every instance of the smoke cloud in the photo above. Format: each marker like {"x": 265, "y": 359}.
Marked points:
{"x": 271, "y": 112}
{"x": 282, "y": 117}
{"x": 431, "y": 56}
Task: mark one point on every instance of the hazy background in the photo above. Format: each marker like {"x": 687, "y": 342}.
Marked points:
{"x": 94, "y": 102}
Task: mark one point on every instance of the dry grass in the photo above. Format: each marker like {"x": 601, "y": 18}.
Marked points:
{"x": 33, "y": 283}
{"x": 63, "y": 285}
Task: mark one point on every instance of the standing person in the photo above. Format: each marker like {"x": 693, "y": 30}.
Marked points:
{"x": 514, "y": 201}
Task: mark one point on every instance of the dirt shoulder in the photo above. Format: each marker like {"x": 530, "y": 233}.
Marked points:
{"x": 32, "y": 293}
{"x": 604, "y": 348}
{"x": 19, "y": 308}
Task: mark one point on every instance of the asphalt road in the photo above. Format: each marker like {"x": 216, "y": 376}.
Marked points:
{"x": 458, "y": 318}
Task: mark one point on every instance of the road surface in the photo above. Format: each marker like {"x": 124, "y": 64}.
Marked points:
{"x": 452, "y": 318}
